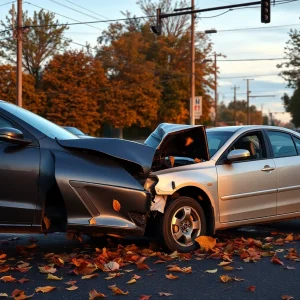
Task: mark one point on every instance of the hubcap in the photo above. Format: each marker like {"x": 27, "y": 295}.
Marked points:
{"x": 185, "y": 226}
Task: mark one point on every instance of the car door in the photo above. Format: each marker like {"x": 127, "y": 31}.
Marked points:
{"x": 287, "y": 161}
{"x": 247, "y": 189}
{"x": 19, "y": 177}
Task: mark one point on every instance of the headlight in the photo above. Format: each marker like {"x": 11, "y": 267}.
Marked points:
{"x": 150, "y": 184}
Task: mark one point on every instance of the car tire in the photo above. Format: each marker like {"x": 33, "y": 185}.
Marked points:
{"x": 183, "y": 220}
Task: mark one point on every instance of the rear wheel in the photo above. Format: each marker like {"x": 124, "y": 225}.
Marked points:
{"x": 183, "y": 221}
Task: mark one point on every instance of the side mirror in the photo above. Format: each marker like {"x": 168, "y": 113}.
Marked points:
{"x": 238, "y": 154}
{"x": 13, "y": 135}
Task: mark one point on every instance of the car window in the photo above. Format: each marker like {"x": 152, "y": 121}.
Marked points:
{"x": 5, "y": 123}
{"x": 297, "y": 143}
{"x": 282, "y": 144}
{"x": 252, "y": 142}
{"x": 216, "y": 139}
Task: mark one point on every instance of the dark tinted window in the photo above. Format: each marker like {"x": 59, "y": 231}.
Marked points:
{"x": 282, "y": 144}
{"x": 46, "y": 127}
{"x": 5, "y": 123}
{"x": 297, "y": 142}
{"x": 216, "y": 139}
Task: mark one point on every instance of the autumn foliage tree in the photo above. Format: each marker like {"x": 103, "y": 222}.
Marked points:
{"x": 75, "y": 86}
{"x": 43, "y": 39}
{"x": 31, "y": 100}
{"x": 134, "y": 91}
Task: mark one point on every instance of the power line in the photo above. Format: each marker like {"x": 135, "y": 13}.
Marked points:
{"x": 223, "y": 13}
{"x": 76, "y": 10}
{"x": 253, "y": 59}
{"x": 7, "y": 3}
{"x": 236, "y": 77}
{"x": 86, "y": 9}
{"x": 54, "y": 25}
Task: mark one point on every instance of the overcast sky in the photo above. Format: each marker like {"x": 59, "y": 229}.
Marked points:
{"x": 245, "y": 44}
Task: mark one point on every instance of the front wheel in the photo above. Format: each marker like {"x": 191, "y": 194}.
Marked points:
{"x": 183, "y": 221}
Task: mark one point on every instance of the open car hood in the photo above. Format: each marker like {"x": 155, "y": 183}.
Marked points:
{"x": 167, "y": 140}
{"x": 179, "y": 140}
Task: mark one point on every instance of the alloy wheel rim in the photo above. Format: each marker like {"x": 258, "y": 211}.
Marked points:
{"x": 185, "y": 226}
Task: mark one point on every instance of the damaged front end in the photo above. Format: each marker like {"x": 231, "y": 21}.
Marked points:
{"x": 176, "y": 145}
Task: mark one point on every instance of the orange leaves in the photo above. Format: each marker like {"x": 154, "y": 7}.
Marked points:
{"x": 72, "y": 288}
{"x": 89, "y": 276}
{"x": 93, "y": 221}
{"x": 20, "y": 295}
{"x": 251, "y": 288}
{"x": 175, "y": 268}
{"x": 47, "y": 270}
{"x": 206, "y": 242}
{"x": 276, "y": 260}
{"x": 170, "y": 276}
{"x": 116, "y": 205}
{"x": 117, "y": 291}
{"x": 8, "y": 278}
{"x": 93, "y": 295}
{"x": 83, "y": 267}
{"x": 45, "y": 289}
{"x": 225, "y": 278}
{"x": 4, "y": 269}
{"x": 53, "y": 277}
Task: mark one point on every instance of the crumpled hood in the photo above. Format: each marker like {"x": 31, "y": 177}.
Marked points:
{"x": 180, "y": 140}
{"x": 132, "y": 152}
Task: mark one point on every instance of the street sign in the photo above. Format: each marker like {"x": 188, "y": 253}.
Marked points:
{"x": 198, "y": 107}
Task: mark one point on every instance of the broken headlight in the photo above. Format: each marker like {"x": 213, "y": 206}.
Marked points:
{"x": 150, "y": 184}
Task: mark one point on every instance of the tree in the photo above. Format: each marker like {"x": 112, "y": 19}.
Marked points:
{"x": 32, "y": 101}
{"x": 292, "y": 105}
{"x": 292, "y": 54}
{"x": 44, "y": 39}
{"x": 76, "y": 86}
{"x": 134, "y": 92}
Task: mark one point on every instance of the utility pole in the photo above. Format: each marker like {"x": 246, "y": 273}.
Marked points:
{"x": 192, "y": 98}
{"x": 248, "y": 97}
{"x": 19, "y": 54}
{"x": 234, "y": 103}
{"x": 216, "y": 91}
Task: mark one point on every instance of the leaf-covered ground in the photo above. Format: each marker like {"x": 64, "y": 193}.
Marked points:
{"x": 261, "y": 263}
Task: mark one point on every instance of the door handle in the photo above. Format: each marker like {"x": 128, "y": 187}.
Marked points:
{"x": 267, "y": 168}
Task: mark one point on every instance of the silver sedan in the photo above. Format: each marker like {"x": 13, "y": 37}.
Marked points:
{"x": 252, "y": 176}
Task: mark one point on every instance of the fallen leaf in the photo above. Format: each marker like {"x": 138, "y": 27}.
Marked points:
{"x": 170, "y": 276}
{"x": 32, "y": 246}
{"x": 7, "y": 278}
{"x": 4, "y": 269}
{"x": 145, "y": 297}
{"x": 240, "y": 268}
{"x": 165, "y": 294}
{"x": 286, "y": 297}
{"x": 228, "y": 268}
{"x": 72, "y": 288}
{"x": 47, "y": 222}
{"x": 211, "y": 271}
{"x": 131, "y": 270}
{"x": 23, "y": 280}
{"x": 189, "y": 141}
{"x": 47, "y": 269}
{"x": 206, "y": 242}
{"x": 131, "y": 281}
{"x": 20, "y": 295}
{"x": 117, "y": 291}
{"x": 276, "y": 260}
{"x": 53, "y": 277}
{"x": 237, "y": 279}
{"x": 289, "y": 268}
{"x": 159, "y": 262}
{"x": 45, "y": 289}
{"x": 251, "y": 288}
{"x": 112, "y": 266}
{"x": 224, "y": 263}
{"x": 89, "y": 276}
{"x": 172, "y": 161}
{"x": 3, "y": 255}
{"x": 3, "y": 295}
{"x": 136, "y": 276}
{"x": 290, "y": 237}
{"x": 225, "y": 278}
{"x": 93, "y": 221}
{"x": 116, "y": 205}
{"x": 178, "y": 269}
{"x": 95, "y": 295}
{"x": 71, "y": 282}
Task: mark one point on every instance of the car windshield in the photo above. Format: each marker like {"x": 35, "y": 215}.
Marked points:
{"x": 216, "y": 139}
{"x": 74, "y": 130}
{"x": 46, "y": 127}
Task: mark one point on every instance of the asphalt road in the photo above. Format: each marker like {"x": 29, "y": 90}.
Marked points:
{"x": 272, "y": 281}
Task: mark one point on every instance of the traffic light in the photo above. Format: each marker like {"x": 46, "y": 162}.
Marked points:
{"x": 265, "y": 11}
{"x": 157, "y": 28}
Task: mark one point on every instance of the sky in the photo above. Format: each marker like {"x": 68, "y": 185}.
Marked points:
{"x": 266, "y": 42}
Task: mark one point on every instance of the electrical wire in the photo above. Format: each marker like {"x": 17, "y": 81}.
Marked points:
{"x": 76, "y": 10}
{"x": 253, "y": 59}
{"x": 7, "y": 3}
{"x": 249, "y": 76}
{"x": 86, "y": 9}
{"x": 223, "y": 13}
